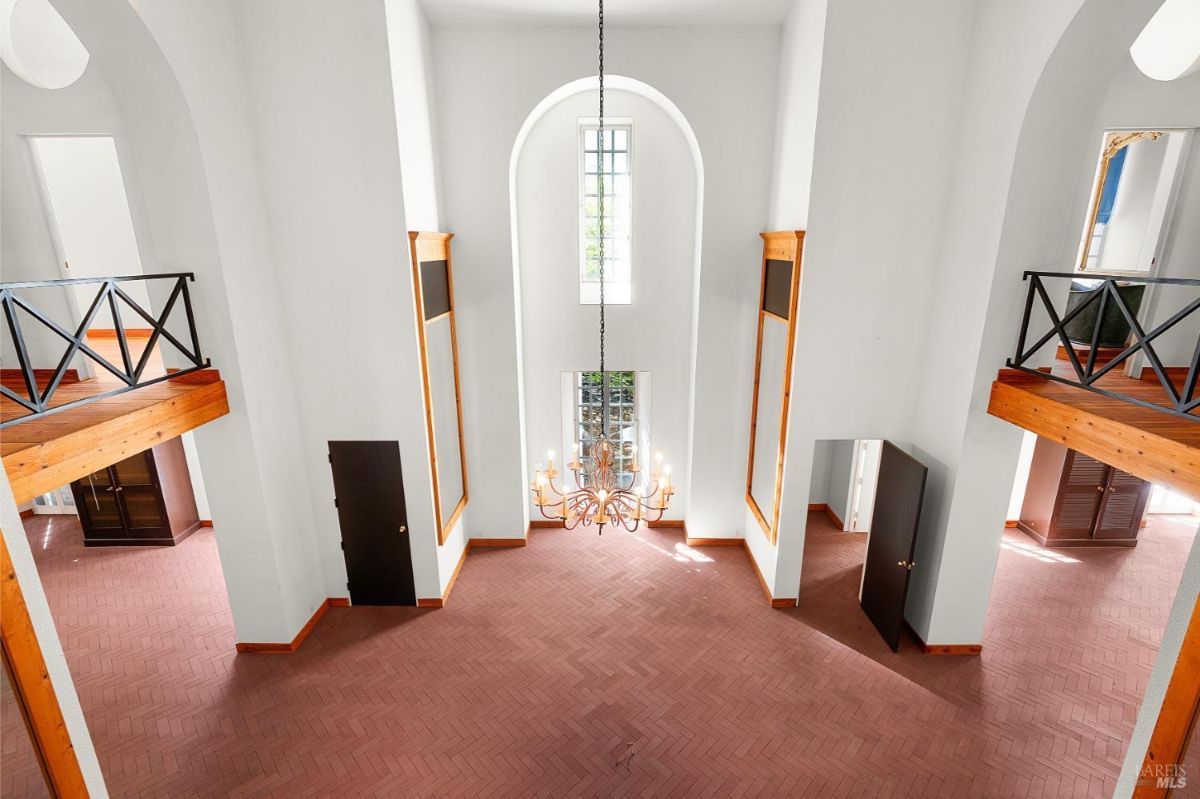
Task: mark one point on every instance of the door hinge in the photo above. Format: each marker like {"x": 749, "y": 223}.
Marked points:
{"x": 342, "y": 544}
{"x": 335, "y": 502}
{"x": 330, "y": 456}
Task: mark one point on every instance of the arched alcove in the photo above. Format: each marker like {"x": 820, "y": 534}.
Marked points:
{"x": 657, "y": 333}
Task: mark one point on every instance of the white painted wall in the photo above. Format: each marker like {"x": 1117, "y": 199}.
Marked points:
{"x": 841, "y": 461}
{"x": 411, "y": 58}
{"x": 320, "y": 94}
{"x": 489, "y": 80}
{"x": 650, "y": 335}
{"x": 27, "y": 248}
{"x": 880, "y": 185}
{"x": 196, "y": 179}
{"x": 818, "y": 486}
{"x": 1021, "y": 480}
{"x": 85, "y": 200}
{"x": 799, "y": 84}
{"x": 1049, "y": 191}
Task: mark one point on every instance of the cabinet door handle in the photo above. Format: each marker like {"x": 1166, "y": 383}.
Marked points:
{"x": 1111, "y": 490}
{"x": 403, "y": 529}
{"x": 1100, "y": 488}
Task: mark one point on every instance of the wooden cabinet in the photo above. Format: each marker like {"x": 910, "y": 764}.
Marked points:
{"x": 143, "y": 500}
{"x": 1073, "y": 500}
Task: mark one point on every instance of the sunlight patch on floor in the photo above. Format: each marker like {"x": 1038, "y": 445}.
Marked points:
{"x": 1034, "y": 551}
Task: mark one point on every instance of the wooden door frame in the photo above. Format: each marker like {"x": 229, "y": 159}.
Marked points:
{"x": 35, "y": 692}
{"x": 1177, "y": 717}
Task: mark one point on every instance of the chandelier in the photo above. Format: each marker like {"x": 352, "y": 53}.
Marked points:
{"x": 602, "y": 495}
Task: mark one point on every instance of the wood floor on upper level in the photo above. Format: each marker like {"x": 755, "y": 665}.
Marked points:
{"x": 1155, "y": 446}
{"x": 45, "y": 453}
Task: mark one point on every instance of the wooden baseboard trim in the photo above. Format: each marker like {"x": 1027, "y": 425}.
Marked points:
{"x": 28, "y": 513}
{"x": 431, "y": 602}
{"x": 1010, "y": 524}
{"x": 287, "y": 649}
{"x": 680, "y": 523}
{"x": 339, "y": 601}
{"x": 545, "y": 524}
{"x": 206, "y": 522}
{"x": 953, "y": 649}
{"x": 714, "y": 542}
{"x": 942, "y": 649}
{"x": 486, "y": 543}
{"x": 823, "y": 507}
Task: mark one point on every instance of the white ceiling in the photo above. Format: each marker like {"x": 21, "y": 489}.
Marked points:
{"x": 616, "y": 12}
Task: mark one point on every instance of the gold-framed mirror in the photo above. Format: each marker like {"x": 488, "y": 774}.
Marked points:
{"x": 779, "y": 291}
{"x": 433, "y": 291}
{"x": 1116, "y": 203}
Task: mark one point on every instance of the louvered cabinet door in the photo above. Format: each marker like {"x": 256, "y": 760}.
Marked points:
{"x": 1125, "y": 499}
{"x": 1083, "y": 488}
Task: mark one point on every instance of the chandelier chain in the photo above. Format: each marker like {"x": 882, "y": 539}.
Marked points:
{"x": 600, "y": 189}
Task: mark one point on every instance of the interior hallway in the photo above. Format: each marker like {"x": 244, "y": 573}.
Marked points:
{"x": 588, "y": 665}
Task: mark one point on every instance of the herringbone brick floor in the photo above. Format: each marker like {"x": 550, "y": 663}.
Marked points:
{"x": 622, "y": 665}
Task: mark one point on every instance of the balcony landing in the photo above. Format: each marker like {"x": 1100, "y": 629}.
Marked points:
{"x": 1155, "y": 446}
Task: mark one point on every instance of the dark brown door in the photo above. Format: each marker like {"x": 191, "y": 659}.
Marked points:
{"x": 96, "y": 501}
{"x": 893, "y": 537}
{"x": 140, "y": 497}
{"x": 1083, "y": 487}
{"x": 1124, "y": 503}
{"x": 369, "y": 490}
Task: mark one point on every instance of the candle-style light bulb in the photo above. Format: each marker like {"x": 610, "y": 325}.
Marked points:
{"x": 550, "y": 460}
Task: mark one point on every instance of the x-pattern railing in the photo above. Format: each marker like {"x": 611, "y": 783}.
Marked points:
{"x": 109, "y": 294}
{"x": 1183, "y": 399}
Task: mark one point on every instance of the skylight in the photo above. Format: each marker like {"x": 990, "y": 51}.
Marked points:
{"x": 1168, "y": 47}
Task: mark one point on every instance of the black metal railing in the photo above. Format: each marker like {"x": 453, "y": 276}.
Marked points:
{"x": 1113, "y": 306}
{"x": 37, "y": 400}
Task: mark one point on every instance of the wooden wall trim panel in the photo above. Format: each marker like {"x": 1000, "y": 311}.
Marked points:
{"x": 37, "y": 468}
{"x": 425, "y": 247}
{"x": 31, "y": 682}
{"x": 785, "y": 245}
{"x": 1146, "y": 451}
{"x": 1176, "y": 719}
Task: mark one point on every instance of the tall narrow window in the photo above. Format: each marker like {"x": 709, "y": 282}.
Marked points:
{"x": 622, "y": 415}
{"x": 612, "y": 159}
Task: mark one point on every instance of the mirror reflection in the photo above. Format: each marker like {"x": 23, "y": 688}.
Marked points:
{"x": 444, "y": 407}
{"x": 769, "y": 416}
{"x": 1134, "y": 188}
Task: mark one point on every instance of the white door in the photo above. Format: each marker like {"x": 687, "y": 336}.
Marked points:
{"x": 59, "y": 502}
{"x": 90, "y": 220}
{"x": 864, "y": 480}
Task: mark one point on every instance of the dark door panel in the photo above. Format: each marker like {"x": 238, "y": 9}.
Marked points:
{"x": 893, "y": 539}
{"x": 96, "y": 502}
{"x": 369, "y": 488}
